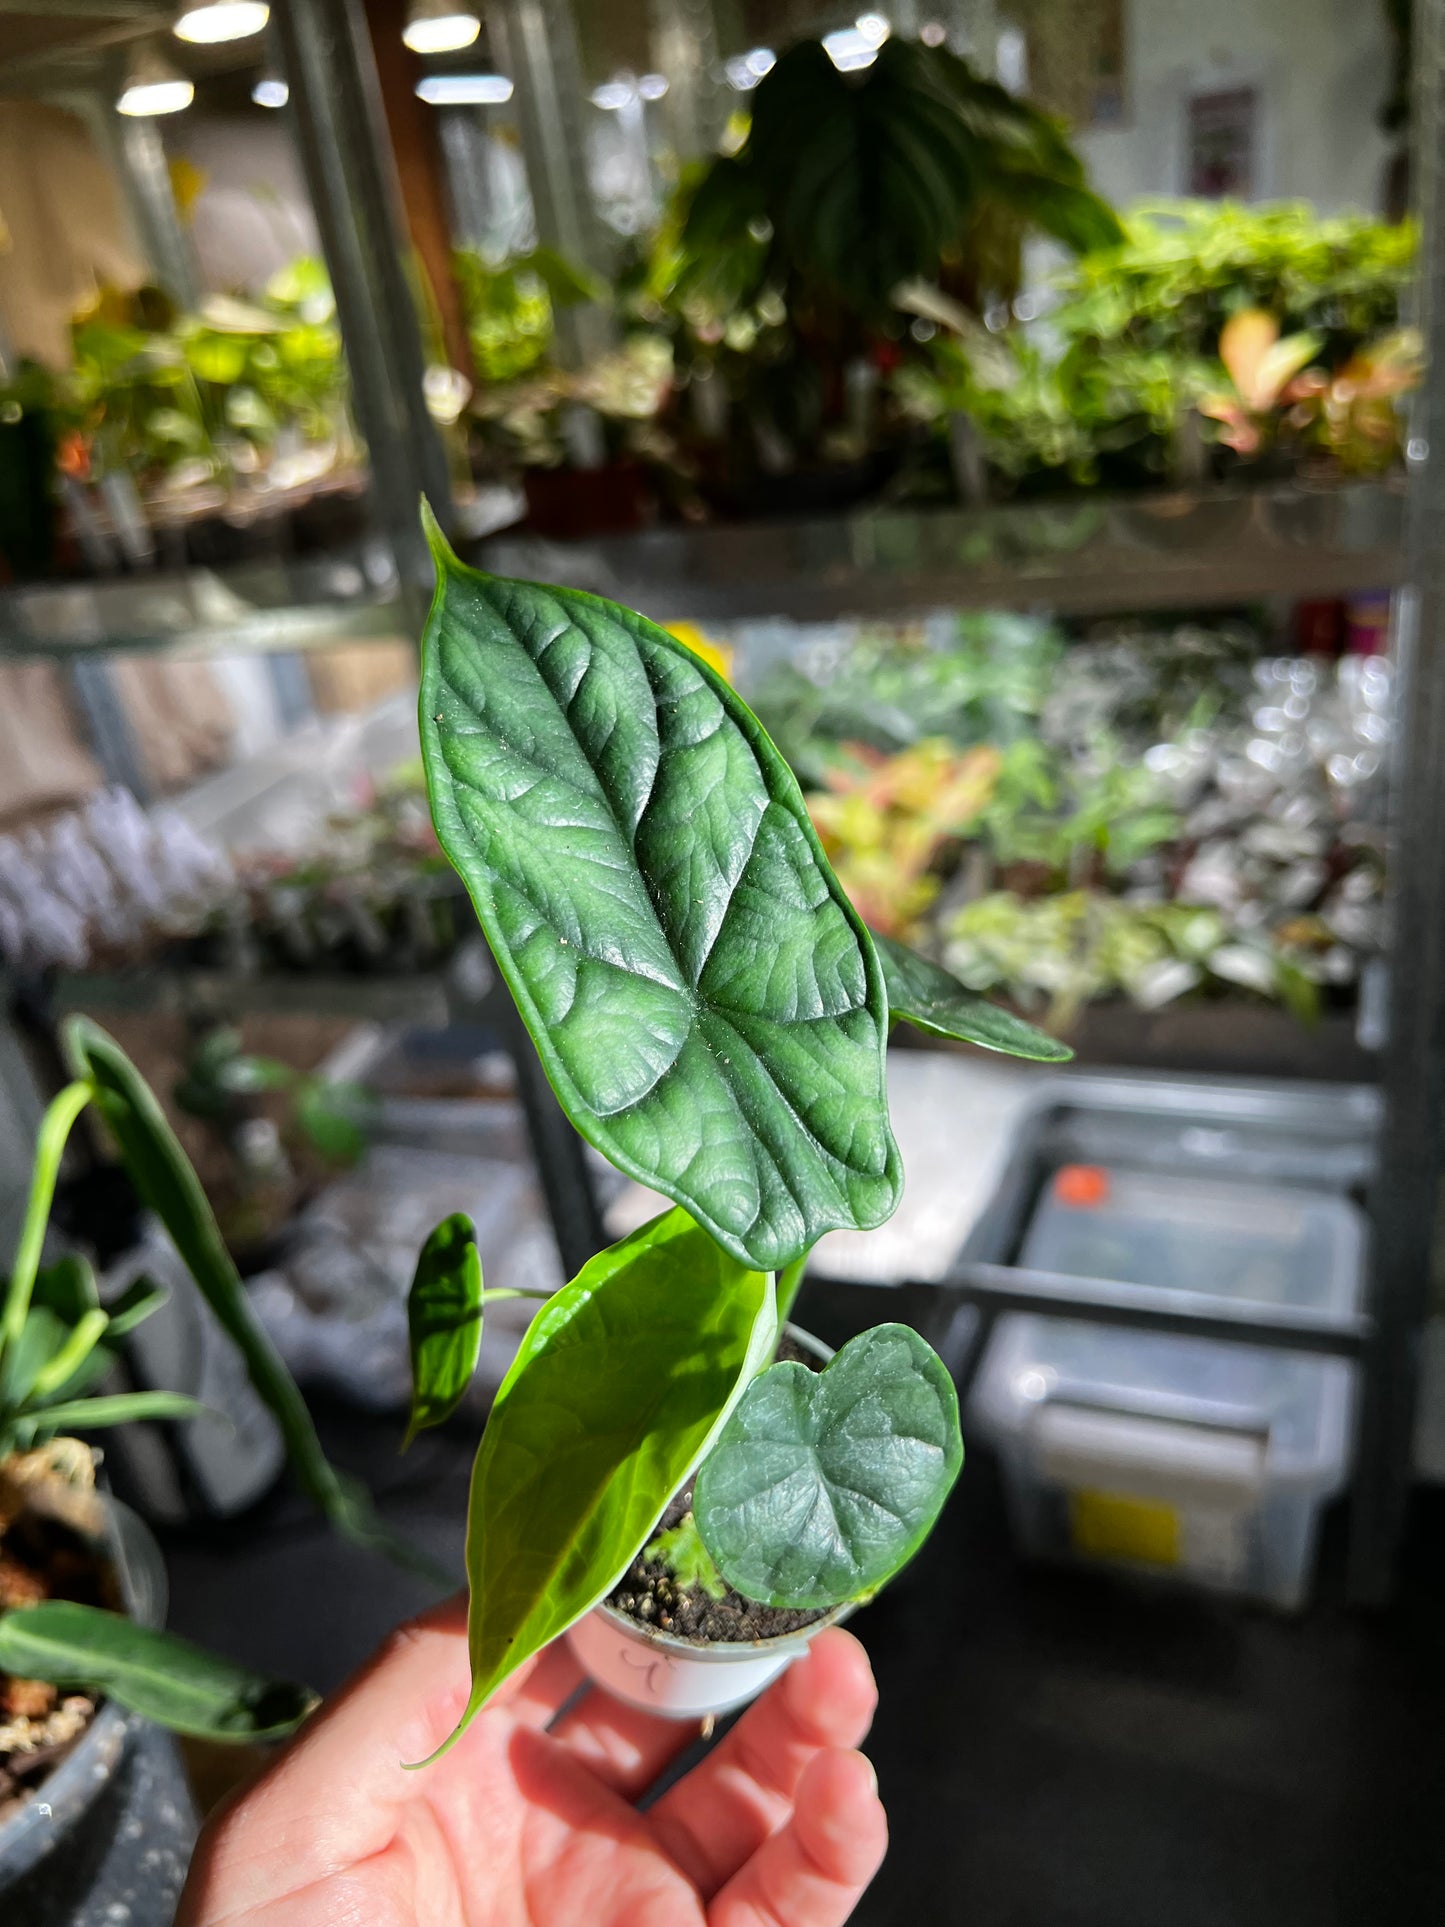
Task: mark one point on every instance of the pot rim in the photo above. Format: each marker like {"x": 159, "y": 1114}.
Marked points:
{"x": 721, "y": 1651}
{"x": 37, "y": 1825}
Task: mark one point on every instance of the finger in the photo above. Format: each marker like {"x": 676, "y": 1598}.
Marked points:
{"x": 624, "y": 1747}
{"x": 812, "y": 1872}
{"x": 718, "y": 1817}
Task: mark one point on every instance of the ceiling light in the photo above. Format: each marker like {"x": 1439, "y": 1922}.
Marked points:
{"x": 464, "y": 90}
{"x": 652, "y": 86}
{"x": 270, "y": 91}
{"x": 872, "y": 27}
{"x": 613, "y": 95}
{"x": 744, "y": 71}
{"x": 218, "y": 20}
{"x": 849, "y": 50}
{"x": 439, "y": 27}
{"x": 153, "y": 86}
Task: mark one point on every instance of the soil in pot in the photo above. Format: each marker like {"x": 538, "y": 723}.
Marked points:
{"x": 651, "y": 1594}
{"x": 41, "y": 1557}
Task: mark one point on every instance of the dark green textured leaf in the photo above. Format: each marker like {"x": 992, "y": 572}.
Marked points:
{"x": 823, "y": 1484}
{"x": 163, "y": 1176}
{"x": 153, "y": 1673}
{"x": 702, "y": 994}
{"x": 921, "y": 992}
{"x": 621, "y": 1384}
{"x": 444, "y": 1320}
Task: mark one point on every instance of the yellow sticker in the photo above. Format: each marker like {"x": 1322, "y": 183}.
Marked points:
{"x": 1112, "y": 1525}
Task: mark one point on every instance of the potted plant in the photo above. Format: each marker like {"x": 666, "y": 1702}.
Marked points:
{"x": 81, "y": 1581}
{"x": 713, "y": 1015}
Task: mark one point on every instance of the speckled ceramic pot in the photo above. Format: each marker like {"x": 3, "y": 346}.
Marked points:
{"x": 685, "y": 1679}
{"x": 83, "y": 1802}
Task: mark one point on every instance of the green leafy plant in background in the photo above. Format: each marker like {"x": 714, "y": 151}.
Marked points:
{"x": 1109, "y": 387}
{"x": 57, "y": 1344}
{"x": 222, "y": 1081}
{"x": 510, "y": 306}
{"x": 712, "y": 1013}
{"x": 786, "y": 272}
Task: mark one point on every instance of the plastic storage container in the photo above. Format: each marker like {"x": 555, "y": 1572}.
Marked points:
{"x": 1189, "y": 1457}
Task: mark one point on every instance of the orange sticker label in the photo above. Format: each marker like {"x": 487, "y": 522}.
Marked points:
{"x": 1081, "y": 1185}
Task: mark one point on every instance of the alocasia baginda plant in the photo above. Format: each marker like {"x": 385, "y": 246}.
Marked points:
{"x": 713, "y": 1016}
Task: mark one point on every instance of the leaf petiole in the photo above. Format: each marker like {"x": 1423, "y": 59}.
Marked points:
{"x": 55, "y": 1128}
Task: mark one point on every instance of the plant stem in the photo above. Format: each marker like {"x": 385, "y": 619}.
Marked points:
{"x": 512, "y": 1291}
{"x": 55, "y": 1128}
{"x": 85, "y": 1335}
{"x": 790, "y": 1280}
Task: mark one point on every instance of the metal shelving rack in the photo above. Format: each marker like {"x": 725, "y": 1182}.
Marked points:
{"x": 1077, "y": 556}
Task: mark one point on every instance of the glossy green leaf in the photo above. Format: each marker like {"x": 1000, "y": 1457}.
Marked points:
{"x": 622, "y": 1382}
{"x": 163, "y": 1176}
{"x": 152, "y": 1673}
{"x": 701, "y": 993}
{"x": 824, "y": 1483}
{"x": 444, "y": 1321}
{"x": 922, "y": 993}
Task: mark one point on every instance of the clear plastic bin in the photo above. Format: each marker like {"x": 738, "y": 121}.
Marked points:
{"x": 1185, "y": 1457}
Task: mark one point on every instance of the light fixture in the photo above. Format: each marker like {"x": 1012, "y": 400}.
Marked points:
{"x": 652, "y": 86}
{"x": 849, "y": 50}
{"x": 440, "y": 26}
{"x": 153, "y": 86}
{"x": 872, "y": 27}
{"x": 933, "y": 33}
{"x": 270, "y": 91}
{"x": 464, "y": 90}
{"x": 217, "y": 20}
{"x": 744, "y": 71}
{"x": 613, "y": 95}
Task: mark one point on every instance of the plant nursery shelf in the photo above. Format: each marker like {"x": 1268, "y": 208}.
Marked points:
{"x": 1078, "y": 555}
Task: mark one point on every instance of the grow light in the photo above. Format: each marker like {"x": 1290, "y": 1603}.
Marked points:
{"x": 464, "y": 90}
{"x": 744, "y": 71}
{"x": 439, "y": 27}
{"x": 852, "y": 48}
{"x": 153, "y": 86}
{"x": 218, "y": 20}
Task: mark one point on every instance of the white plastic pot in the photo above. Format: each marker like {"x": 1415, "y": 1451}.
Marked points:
{"x": 686, "y": 1679}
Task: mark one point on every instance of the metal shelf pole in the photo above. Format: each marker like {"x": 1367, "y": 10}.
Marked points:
{"x": 341, "y": 134}
{"x": 1406, "y": 1199}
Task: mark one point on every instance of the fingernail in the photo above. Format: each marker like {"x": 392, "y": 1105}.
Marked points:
{"x": 872, "y": 1776}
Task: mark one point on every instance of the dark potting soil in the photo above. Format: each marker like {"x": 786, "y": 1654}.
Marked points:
{"x": 41, "y": 1558}
{"x": 650, "y": 1594}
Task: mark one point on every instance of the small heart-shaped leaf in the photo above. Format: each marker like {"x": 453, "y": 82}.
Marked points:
{"x": 923, "y": 993}
{"x": 444, "y": 1320}
{"x": 823, "y": 1484}
{"x": 702, "y": 995}
{"x": 153, "y": 1673}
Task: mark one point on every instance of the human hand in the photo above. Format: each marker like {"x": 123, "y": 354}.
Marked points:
{"x": 522, "y": 1826}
